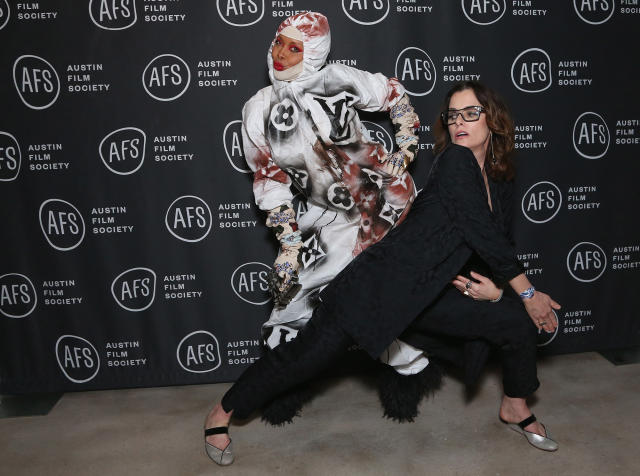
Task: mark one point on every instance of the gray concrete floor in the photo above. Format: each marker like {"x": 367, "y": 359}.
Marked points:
{"x": 590, "y": 406}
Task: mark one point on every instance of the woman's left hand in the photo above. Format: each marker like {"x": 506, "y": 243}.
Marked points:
{"x": 394, "y": 164}
{"x": 480, "y": 289}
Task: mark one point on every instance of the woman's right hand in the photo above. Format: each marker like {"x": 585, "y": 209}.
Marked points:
{"x": 540, "y": 309}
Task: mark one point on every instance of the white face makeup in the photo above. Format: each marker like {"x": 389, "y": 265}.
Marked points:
{"x": 472, "y": 134}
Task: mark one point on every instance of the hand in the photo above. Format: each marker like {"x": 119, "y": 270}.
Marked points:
{"x": 481, "y": 288}
{"x": 286, "y": 266}
{"x": 540, "y": 309}
{"x": 394, "y": 164}
{"x": 283, "y": 279}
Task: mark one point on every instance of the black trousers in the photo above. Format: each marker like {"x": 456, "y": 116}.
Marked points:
{"x": 504, "y": 324}
{"x": 322, "y": 342}
{"x": 318, "y": 345}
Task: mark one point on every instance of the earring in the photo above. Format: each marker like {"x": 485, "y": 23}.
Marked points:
{"x": 494, "y": 161}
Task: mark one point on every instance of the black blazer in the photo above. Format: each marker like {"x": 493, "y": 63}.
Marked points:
{"x": 383, "y": 289}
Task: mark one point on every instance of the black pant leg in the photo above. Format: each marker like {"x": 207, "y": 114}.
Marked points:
{"x": 504, "y": 324}
{"x": 291, "y": 363}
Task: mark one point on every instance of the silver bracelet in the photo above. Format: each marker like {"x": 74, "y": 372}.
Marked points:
{"x": 527, "y": 293}
{"x": 498, "y": 298}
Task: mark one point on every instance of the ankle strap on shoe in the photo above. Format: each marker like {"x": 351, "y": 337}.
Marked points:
{"x": 218, "y": 430}
{"x": 527, "y": 421}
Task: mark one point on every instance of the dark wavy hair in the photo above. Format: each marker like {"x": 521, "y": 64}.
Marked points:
{"x": 499, "y": 122}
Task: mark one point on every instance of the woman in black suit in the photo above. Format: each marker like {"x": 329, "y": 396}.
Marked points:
{"x": 415, "y": 280}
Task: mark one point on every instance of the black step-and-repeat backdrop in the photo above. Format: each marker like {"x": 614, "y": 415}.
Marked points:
{"x": 132, "y": 253}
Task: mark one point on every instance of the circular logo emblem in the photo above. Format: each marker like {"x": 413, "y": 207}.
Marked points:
{"x": 594, "y": 12}
{"x": 416, "y": 71}
{"x": 199, "y": 352}
{"x": 122, "y": 151}
{"x": 368, "y": 12}
{"x": 586, "y": 262}
{"x": 5, "y": 12}
{"x": 189, "y": 218}
{"x": 18, "y": 296}
{"x": 111, "y": 15}
{"x": 36, "y": 81}
{"x": 249, "y": 282}
{"x": 78, "y": 358}
{"x": 166, "y": 77}
{"x": 379, "y": 134}
{"x": 591, "y": 136}
{"x": 232, "y": 139}
{"x": 240, "y": 12}
{"x": 284, "y": 115}
{"x": 62, "y": 224}
{"x": 545, "y": 338}
{"x": 134, "y": 289}
{"x": 484, "y": 12}
{"x": 541, "y": 202}
{"x": 531, "y": 71}
{"x": 10, "y": 157}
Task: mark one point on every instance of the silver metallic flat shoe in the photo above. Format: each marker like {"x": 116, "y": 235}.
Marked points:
{"x": 222, "y": 457}
{"x": 545, "y": 443}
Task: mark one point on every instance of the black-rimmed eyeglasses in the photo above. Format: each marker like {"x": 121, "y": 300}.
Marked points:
{"x": 469, "y": 114}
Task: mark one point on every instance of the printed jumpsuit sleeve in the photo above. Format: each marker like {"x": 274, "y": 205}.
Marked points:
{"x": 459, "y": 186}
{"x": 271, "y": 185}
{"x": 375, "y": 91}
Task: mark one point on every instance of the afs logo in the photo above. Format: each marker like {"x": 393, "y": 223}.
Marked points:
{"x": 484, "y": 12}
{"x": 62, "y": 224}
{"x": 134, "y": 289}
{"x": 199, "y": 352}
{"x": 541, "y": 202}
{"x": 78, "y": 358}
{"x": 366, "y": 12}
{"x": 379, "y": 134}
{"x": 416, "y": 71}
{"x": 545, "y": 338}
{"x": 113, "y": 15}
{"x": 122, "y": 151}
{"x": 10, "y": 157}
{"x": 18, "y": 296}
{"x": 232, "y": 140}
{"x": 591, "y": 136}
{"x": 594, "y": 12}
{"x": 189, "y": 218}
{"x": 5, "y": 12}
{"x": 531, "y": 71}
{"x": 36, "y": 81}
{"x": 249, "y": 282}
{"x": 166, "y": 77}
{"x": 586, "y": 262}
{"x": 240, "y": 12}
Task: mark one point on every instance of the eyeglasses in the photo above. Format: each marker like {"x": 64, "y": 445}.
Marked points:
{"x": 469, "y": 114}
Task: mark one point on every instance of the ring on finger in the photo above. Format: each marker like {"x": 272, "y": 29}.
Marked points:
{"x": 468, "y": 285}
{"x": 466, "y": 293}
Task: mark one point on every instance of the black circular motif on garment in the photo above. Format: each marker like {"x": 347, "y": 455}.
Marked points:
{"x": 340, "y": 197}
{"x": 284, "y": 114}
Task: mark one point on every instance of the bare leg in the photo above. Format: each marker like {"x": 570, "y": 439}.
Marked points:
{"x": 514, "y": 410}
{"x": 218, "y": 417}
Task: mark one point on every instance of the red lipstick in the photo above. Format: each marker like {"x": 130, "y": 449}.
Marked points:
{"x": 278, "y": 66}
